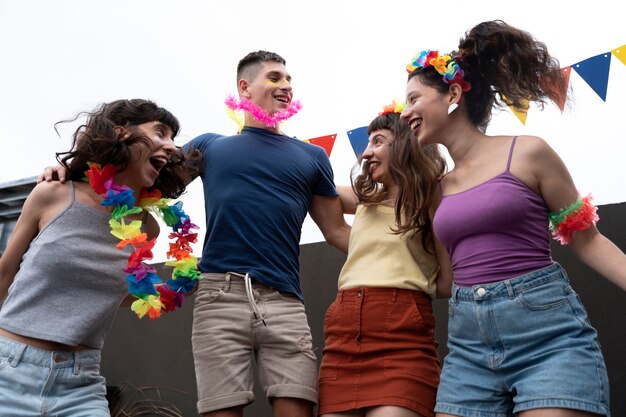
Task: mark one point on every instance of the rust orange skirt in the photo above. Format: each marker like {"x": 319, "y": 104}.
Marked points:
{"x": 379, "y": 349}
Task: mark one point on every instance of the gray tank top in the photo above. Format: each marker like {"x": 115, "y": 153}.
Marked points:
{"x": 70, "y": 281}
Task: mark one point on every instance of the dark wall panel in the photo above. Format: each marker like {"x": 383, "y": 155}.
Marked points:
{"x": 158, "y": 353}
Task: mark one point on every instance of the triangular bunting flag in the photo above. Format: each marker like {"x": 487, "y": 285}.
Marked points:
{"x": 620, "y": 53}
{"x": 358, "y": 139}
{"x": 595, "y": 71}
{"x": 325, "y": 142}
{"x": 562, "y": 95}
{"x": 520, "y": 113}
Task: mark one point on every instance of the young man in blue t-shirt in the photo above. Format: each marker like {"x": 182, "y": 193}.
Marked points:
{"x": 258, "y": 187}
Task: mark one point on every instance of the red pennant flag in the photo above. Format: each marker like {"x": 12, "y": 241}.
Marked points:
{"x": 325, "y": 142}
{"x": 562, "y": 95}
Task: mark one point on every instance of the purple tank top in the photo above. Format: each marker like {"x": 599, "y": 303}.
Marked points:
{"x": 495, "y": 230}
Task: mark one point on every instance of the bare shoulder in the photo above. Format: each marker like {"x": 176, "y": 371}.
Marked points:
{"x": 50, "y": 193}
{"x": 532, "y": 146}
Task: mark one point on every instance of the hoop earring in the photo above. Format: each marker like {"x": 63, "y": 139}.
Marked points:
{"x": 452, "y": 107}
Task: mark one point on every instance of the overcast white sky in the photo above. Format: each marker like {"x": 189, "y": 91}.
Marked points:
{"x": 346, "y": 58}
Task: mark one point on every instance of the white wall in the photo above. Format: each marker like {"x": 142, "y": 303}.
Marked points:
{"x": 347, "y": 59}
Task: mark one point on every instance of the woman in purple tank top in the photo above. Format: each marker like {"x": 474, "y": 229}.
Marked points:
{"x": 520, "y": 342}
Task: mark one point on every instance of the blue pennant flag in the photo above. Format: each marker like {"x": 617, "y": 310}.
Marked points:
{"x": 595, "y": 72}
{"x": 358, "y": 139}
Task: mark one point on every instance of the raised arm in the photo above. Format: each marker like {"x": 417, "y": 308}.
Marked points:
{"x": 327, "y": 213}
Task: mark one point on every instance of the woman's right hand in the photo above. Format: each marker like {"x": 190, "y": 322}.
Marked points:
{"x": 55, "y": 173}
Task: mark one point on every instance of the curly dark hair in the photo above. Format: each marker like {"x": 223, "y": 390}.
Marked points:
{"x": 506, "y": 66}
{"x": 415, "y": 170}
{"x": 98, "y": 141}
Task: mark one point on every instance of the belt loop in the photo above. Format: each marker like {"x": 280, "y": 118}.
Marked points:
{"x": 394, "y": 295}
{"x": 509, "y": 288}
{"x": 18, "y": 355}
{"x": 340, "y": 296}
{"x": 227, "y": 278}
{"x": 76, "y": 363}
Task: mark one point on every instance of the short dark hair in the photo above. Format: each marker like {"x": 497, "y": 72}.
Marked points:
{"x": 254, "y": 58}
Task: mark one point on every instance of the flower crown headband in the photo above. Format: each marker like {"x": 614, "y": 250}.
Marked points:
{"x": 394, "y": 107}
{"x": 443, "y": 64}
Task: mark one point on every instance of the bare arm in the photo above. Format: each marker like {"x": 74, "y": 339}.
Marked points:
{"x": 327, "y": 213}
{"x": 444, "y": 276}
{"x": 43, "y": 203}
{"x": 349, "y": 200}
{"x": 558, "y": 191}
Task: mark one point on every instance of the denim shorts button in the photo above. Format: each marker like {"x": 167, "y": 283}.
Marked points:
{"x": 481, "y": 291}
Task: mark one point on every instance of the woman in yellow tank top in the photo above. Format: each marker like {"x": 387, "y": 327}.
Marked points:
{"x": 380, "y": 355}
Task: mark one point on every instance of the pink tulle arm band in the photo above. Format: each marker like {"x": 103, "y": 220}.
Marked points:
{"x": 579, "y": 216}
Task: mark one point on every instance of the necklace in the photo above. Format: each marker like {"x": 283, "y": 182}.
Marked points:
{"x": 153, "y": 296}
{"x": 270, "y": 120}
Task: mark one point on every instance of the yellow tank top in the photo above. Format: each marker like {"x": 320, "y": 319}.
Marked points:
{"x": 377, "y": 257}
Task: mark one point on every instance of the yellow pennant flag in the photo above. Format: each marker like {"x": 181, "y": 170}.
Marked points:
{"x": 620, "y": 53}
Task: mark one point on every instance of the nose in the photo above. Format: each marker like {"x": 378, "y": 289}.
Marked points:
{"x": 286, "y": 85}
{"x": 405, "y": 114}
{"x": 367, "y": 153}
{"x": 168, "y": 146}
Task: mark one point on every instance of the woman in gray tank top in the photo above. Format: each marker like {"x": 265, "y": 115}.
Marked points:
{"x": 62, "y": 277}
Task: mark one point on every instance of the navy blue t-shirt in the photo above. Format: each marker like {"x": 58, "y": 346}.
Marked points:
{"x": 258, "y": 187}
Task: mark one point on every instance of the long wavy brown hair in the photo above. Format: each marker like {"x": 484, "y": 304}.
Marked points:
{"x": 415, "y": 169}
{"x": 98, "y": 141}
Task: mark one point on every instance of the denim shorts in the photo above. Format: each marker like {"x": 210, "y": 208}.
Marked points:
{"x": 37, "y": 382}
{"x": 230, "y": 335}
{"x": 521, "y": 344}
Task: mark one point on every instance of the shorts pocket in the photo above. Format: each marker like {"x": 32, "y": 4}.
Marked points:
{"x": 90, "y": 374}
{"x": 288, "y": 297}
{"x": 547, "y": 296}
{"x": 208, "y": 292}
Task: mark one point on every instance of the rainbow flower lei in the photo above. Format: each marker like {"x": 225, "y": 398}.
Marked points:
{"x": 270, "y": 120}
{"x": 443, "y": 64}
{"x": 141, "y": 277}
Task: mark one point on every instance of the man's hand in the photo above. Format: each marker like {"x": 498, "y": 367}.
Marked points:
{"x": 55, "y": 173}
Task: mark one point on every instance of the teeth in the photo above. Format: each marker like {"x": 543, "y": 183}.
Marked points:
{"x": 159, "y": 161}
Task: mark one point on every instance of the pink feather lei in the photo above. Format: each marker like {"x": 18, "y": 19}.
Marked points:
{"x": 270, "y": 120}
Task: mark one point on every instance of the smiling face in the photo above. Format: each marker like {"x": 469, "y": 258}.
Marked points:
{"x": 268, "y": 85}
{"x": 426, "y": 111}
{"x": 148, "y": 156}
{"x": 377, "y": 154}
